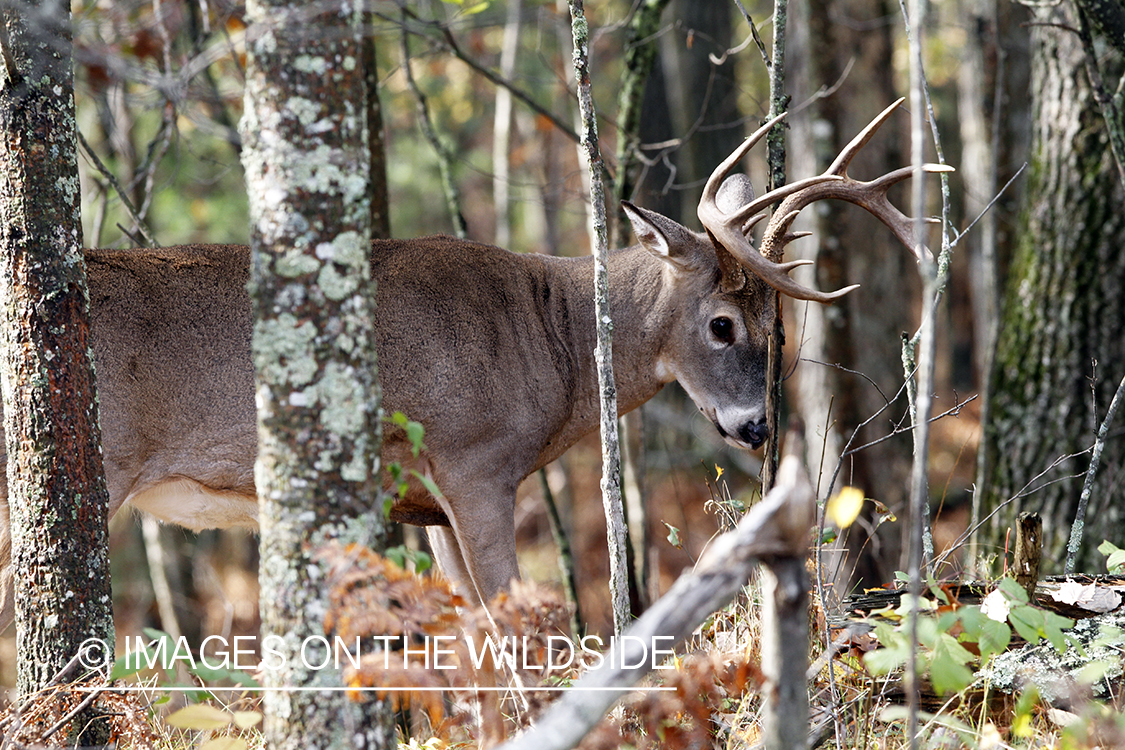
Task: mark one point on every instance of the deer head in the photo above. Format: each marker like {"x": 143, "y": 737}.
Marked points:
{"x": 727, "y": 332}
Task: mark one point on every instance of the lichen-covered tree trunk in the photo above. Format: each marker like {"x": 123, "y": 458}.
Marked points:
{"x": 56, "y": 487}
{"x": 306, "y": 160}
{"x": 1061, "y": 350}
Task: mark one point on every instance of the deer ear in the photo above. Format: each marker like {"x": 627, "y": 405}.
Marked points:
{"x": 668, "y": 240}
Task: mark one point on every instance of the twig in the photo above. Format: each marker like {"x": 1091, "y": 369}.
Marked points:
{"x": 757, "y": 38}
{"x": 920, "y": 411}
{"x": 148, "y": 239}
{"x": 1110, "y": 105}
{"x": 156, "y": 150}
{"x": 449, "y": 43}
{"x": 1076, "y": 528}
{"x": 777, "y": 527}
{"x": 86, "y": 702}
{"x": 603, "y": 352}
{"x": 639, "y": 59}
{"x": 775, "y": 148}
{"x": 444, "y": 157}
{"x": 566, "y": 557}
{"x": 986, "y": 209}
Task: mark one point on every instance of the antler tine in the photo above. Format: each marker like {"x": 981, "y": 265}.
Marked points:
{"x": 871, "y": 196}
{"x": 711, "y": 189}
{"x": 777, "y": 195}
{"x": 730, "y": 231}
{"x": 840, "y": 165}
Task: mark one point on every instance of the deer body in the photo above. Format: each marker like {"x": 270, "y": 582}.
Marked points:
{"x": 493, "y": 352}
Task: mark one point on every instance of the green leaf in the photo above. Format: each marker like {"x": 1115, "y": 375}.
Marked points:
{"x": 422, "y": 562}
{"x": 125, "y": 666}
{"x": 1095, "y": 671}
{"x": 428, "y": 483}
{"x": 673, "y": 535}
{"x": 947, "y": 673}
{"x": 972, "y": 619}
{"x": 885, "y": 660}
{"x": 237, "y": 676}
{"x": 1053, "y": 625}
{"x": 893, "y": 652}
{"x": 1028, "y": 622}
{"x": 1116, "y": 557}
{"x": 414, "y": 432}
{"x": 1012, "y": 590}
{"x": 928, "y": 633}
{"x": 199, "y": 716}
{"x": 994, "y": 638}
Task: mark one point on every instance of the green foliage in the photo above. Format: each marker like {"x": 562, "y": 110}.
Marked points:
{"x": 400, "y": 476}
{"x": 941, "y": 631}
{"x": 674, "y": 536}
{"x": 469, "y": 7}
{"x": 402, "y": 554}
{"x": 414, "y": 432}
{"x": 1116, "y": 557}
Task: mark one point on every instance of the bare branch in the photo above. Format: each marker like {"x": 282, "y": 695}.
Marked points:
{"x": 777, "y": 527}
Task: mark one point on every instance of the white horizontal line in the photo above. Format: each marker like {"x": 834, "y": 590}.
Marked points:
{"x": 87, "y": 689}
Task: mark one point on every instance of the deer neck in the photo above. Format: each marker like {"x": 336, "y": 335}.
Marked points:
{"x": 640, "y": 327}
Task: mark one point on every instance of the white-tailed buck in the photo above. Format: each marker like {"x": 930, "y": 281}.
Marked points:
{"x": 491, "y": 351}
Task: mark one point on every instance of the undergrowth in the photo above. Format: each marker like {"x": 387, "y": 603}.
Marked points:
{"x": 998, "y": 672}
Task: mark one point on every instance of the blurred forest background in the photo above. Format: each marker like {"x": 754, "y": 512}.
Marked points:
{"x": 159, "y": 95}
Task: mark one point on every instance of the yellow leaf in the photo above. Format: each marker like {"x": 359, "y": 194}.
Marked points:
{"x": 199, "y": 716}
{"x": 224, "y": 743}
{"x": 845, "y": 507}
{"x": 246, "y": 719}
{"x": 718, "y": 471}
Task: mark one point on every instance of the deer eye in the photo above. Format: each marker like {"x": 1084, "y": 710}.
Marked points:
{"x": 723, "y": 329}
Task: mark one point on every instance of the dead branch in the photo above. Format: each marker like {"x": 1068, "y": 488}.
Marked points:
{"x": 775, "y": 528}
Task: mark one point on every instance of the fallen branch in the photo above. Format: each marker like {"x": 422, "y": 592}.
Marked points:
{"x": 777, "y": 527}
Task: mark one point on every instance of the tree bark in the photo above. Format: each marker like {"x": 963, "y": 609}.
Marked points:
{"x": 306, "y": 159}
{"x": 1062, "y": 338}
{"x": 55, "y": 483}
{"x": 703, "y": 97}
{"x": 862, "y": 332}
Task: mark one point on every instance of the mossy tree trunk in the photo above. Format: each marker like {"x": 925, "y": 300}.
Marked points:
{"x": 306, "y": 158}
{"x": 56, "y": 486}
{"x": 1061, "y": 348}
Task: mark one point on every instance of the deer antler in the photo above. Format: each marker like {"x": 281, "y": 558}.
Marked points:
{"x": 731, "y": 229}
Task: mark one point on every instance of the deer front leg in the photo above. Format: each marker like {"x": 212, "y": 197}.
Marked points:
{"x": 478, "y": 554}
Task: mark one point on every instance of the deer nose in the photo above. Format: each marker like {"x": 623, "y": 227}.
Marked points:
{"x": 754, "y": 433}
